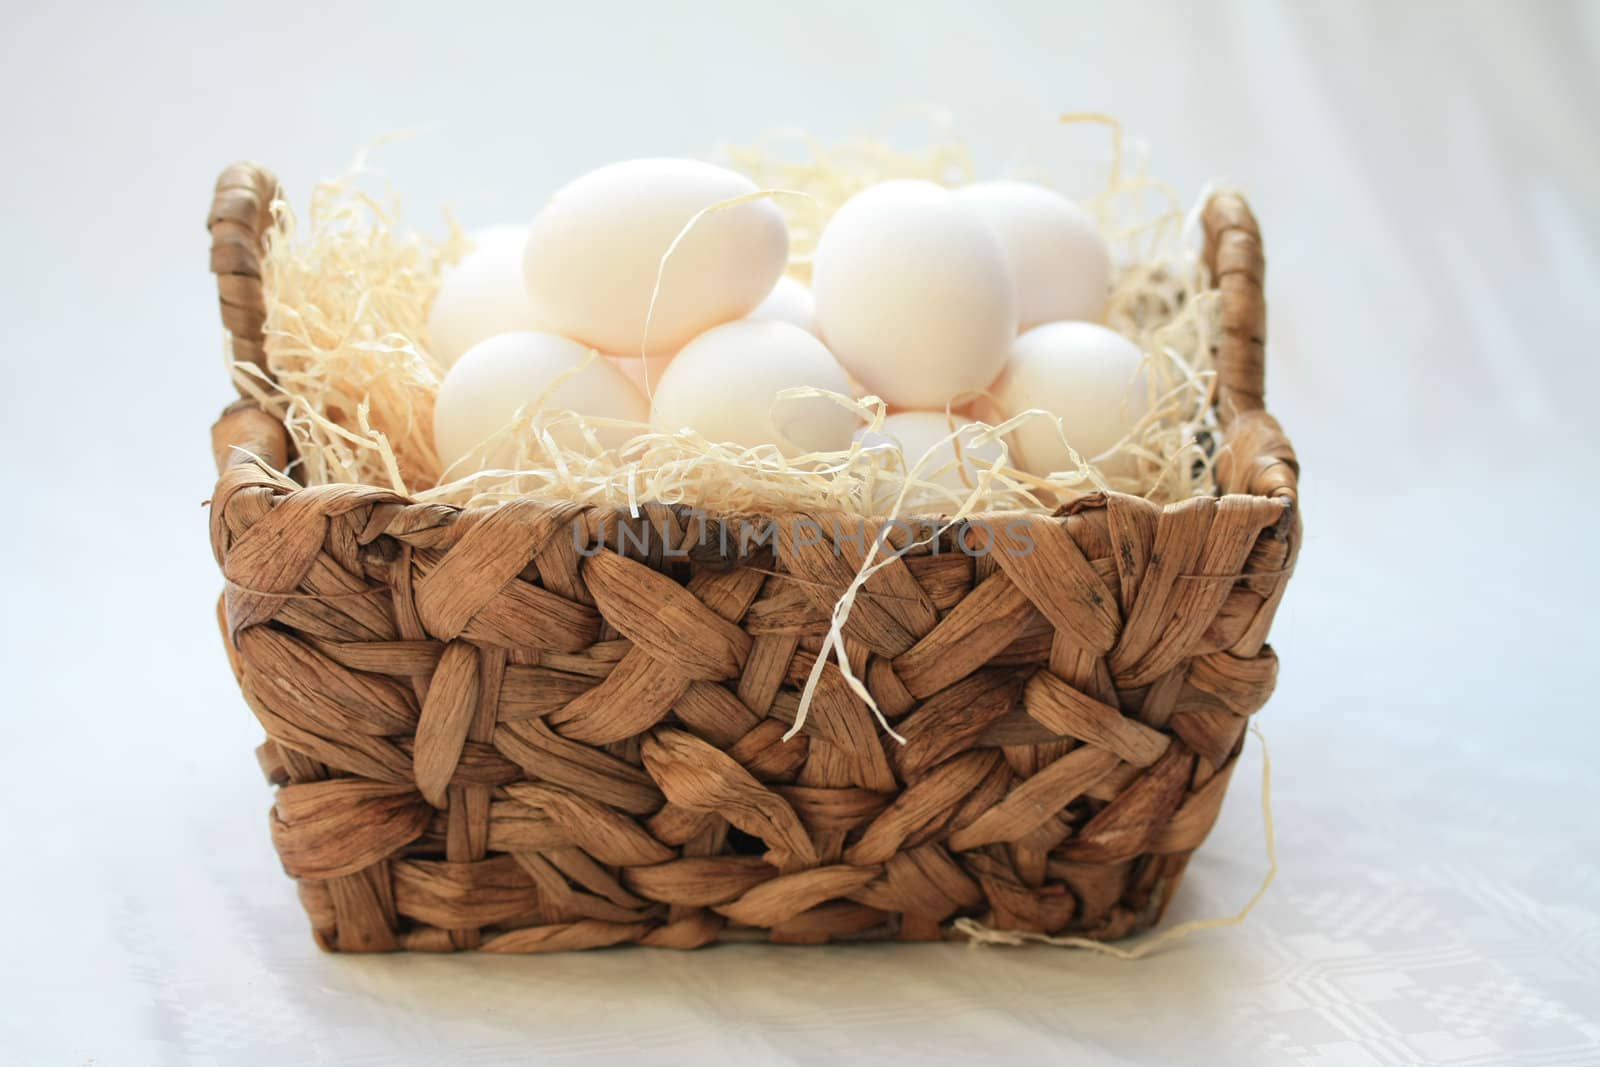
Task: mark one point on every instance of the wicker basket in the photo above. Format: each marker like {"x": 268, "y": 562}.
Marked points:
{"x": 484, "y": 738}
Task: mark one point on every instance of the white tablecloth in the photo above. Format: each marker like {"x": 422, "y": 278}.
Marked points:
{"x": 1427, "y": 177}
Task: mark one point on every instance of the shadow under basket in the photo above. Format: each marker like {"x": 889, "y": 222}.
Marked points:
{"x": 485, "y": 735}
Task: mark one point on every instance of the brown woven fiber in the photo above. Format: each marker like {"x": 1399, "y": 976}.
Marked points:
{"x": 485, "y": 737}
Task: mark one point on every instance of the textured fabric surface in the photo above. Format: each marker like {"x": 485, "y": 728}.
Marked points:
{"x": 1426, "y": 178}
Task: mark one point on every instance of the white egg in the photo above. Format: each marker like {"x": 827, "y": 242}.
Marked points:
{"x": 789, "y": 301}
{"x": 1092, "y": 377}
{"x": 1061, "y": 264}
{"x": 481, "y": 295}
{"x": 725, "y": 383}
{"x": 494, "y": 379}
{"x": 595, "y": 249}
{"x": 925, "y": 437}
{"x": 913, "y": 294}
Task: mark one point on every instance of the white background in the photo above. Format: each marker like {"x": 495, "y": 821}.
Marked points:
{"x": 1428, "y": 179}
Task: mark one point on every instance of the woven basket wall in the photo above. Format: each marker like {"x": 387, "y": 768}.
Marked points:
{"x": 483, "y": 738}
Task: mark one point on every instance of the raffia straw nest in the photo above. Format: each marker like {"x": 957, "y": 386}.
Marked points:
{"x": 347, "y": 296}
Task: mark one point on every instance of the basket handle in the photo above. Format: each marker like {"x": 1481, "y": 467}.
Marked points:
{"x": 1256, "y": 456}
{"x": 1237, "y": 266}
{"x": 241, "y": 215}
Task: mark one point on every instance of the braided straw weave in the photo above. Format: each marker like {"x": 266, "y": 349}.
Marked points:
{"x": 484, "y": 738}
